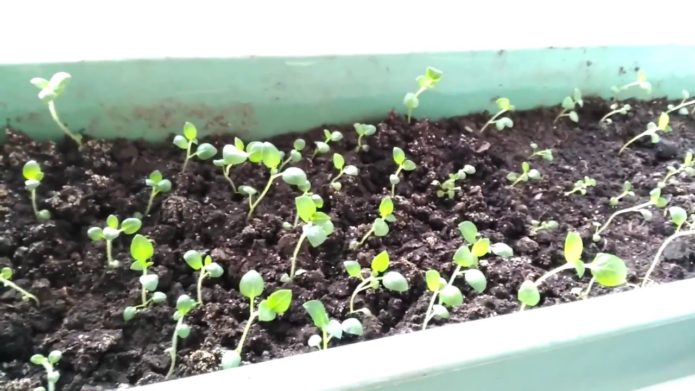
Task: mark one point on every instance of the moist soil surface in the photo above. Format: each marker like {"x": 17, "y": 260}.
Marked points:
{"x": 82, "y": 303}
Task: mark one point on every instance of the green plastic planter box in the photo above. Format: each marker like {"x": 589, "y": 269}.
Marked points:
{"x": 641, "y": 339}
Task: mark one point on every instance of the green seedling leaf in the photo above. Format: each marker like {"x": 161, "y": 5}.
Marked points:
{"x": 380, "y": 262}
{"x": 338, "y": 161}
{"x": 159, "y": 297}
{"x": 205, "y": 151}
{"x": 131, "y": 225}
{"x": 322, "y": 147}
{"x": 353, "y": 268}
{"x": 573, "y": 248}
{"x": 352, "y": 326}
{"x": 214, "y": 269}
{"x": 469, "y": 231}
{"x": 663, "y": 121}
{"x": 580, "y": 268}
{"x": 95, "y": 233}
{"x": 6, "y": 273}
{"x": 481, "y": 247}
{"x": 451, "y": 296}
{"x": 409, "y": 165}
{"x": 232, "y": 154}
{"x": 395, "y": 281}
{"x": 32, "y": 171}
{"x": 568, "y": 103}
{"x": 351, "y": 170}
{"x": 502, "y": 250}
{"x": 184, "y": 304}
{"x": 464, "y": 257}
{"x": 183, "y": 331}
{"x": 317, "y": 312}
{"x": 381, "y": 228}
{"x": 334, "y": 329}
{"x": 294, "y": 176}
{"x": 280, "y": 300}
{"x": 432, "y": 278}
{"x": 574, "y": 117}
{"x": 149, "y": 282}
{"x": 141, "y": 248}
{"x": 398, "y": 155}
{"x": 112, "y": 221}
{"x": 251, "y": 284}
{"x": 528, "y": 294}
{"x": 194, "y": 259}
{"x": 306, "y": 207}
{"x": 385, "y": 207}
{"x": 265, "y": 313}
{"x": 504, "y": 104}
{"x": 365, "y": 129}
{"x": 189, "y": 131}
{"x": 608, "y": 270}
{"x": 315, "y": 234}
{"x": 230, "y": 359}
{"x": 476, "y": 279}
{"x": 678, "y": 215}
{"x": 180, "y": 142}
{"x": 411, "y": 101}
{"x": 38, "y": 359}
{"x": 129, "y": 313}
{"x": 440, "y": 311}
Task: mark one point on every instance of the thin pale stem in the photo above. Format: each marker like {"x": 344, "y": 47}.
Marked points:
{"x": 33, "y": 203}
{"x": 563, "y": 113}
{"x": 547, "y": 275}
{"x": 681, "y": 105}
{"x": 635, "y": 208}
{"x": 632, "y": 140}
{"x": 454, "y": 274}
{"x": 293, "y": 262}
{"x": 109, "y": 255}
{"x": 610, "y": 113}
{"x": 143, "y": 292}
{"x": 225, "y": 172}
{"x": 585, "y": 294}
{"x": 325, "y": 339}
{"x": 172, "y": 351}
{"x": 366, "y": 236}
{"x": 252, "y": 316}
{"x": 673, "y": 173}
{"x": 199, "y": 286}
{"x": 284, "y": 163}
{"x": 363, "y": 286}
{"x": 359, "y": 137}
{"x": 492, "y": 120}
{"x": 49, "y": 372}
{"x": 260, "y": 197}
{"x": 393, "y": 185}
{"x": 665, "y": 244}
{"x": 149, "y": 203}
{"x": 77, "y": 138}
{"x": 428, "y": 314}
{"x": 24, "y": 293}
{"x": 340, "y": 174}
{"x": 188, "y": 156}
{"x": 522, "y": 177}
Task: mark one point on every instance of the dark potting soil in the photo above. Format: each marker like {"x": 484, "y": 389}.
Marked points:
{"x": 81, "y": 303}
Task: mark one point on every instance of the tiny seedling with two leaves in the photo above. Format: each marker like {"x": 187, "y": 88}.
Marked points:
{"x": 112, "y": 231}
{"x": 363, "y": 130}
{"x": 6, "y": 274}
{"x": 626, "y": 192}
{"x": 50, "y": 91}
{"x": 527, "y": 173}
{"x": 323, "y": 147}
{"x": 429, "y": 80}
{"x": 641, "y": 82}
{"x": 393, "y": 281}
{"x": 330, "y": 328}
{"x": 203, "y": 264}
{"x": 402, "y": 164}
{"x": 545, "y": 154}
{"x": 188, "y": 139}
{"x": 679, "y": 217}
{"x": 32, "y": 179}
{"x": 652, "y": 132}
{"x": 448, "y": 188}
{"x": 581, "y": 186}
{"x": 655, "y": 199}
{"x": 277, "y": 303}
{"x": 295, "y": 154}
{"x": 682, "y": 108}
{"x": 48, "y": 364}
{"x": 616, "y": 108}
{"x": 504, "y": 105}
{"x": 687, "y": 167}
{"x": 142, "y": 250}
{"x": 184, "y": 305}
{"x": 606, "y": 269}
{"x": 380, "y": 226}
{"x": 232, "y": 155}
{"x": 569, "y": 106}
{"x": 158, "y": 184}
{"x": 546, "y": 225}
{"x": 316, "y": 228}
{"x": 339, "y": 165}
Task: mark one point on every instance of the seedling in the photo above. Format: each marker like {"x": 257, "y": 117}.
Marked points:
{"x": 267, "y": 154}
{"x": 682, "y": 108}
{"x": 33, "y": 175}
{"x": 48, "y": 364}
{"x": 363, "y": 130}
{"x": 652, "y": 131}
{"x": 318, "y": 201}
{"x": 316, "y": 229}
{"x": 538, "y": 226}
{"x": 328, "y": 137}
{"x": 6, "y": 280}
{"x": 686, "y": 167}
{"x": 581, "y": 186}
{"x": 448, "y": 188}
{"x": 184, "y": 305}
{"x": 112, "y": 230}
{"x": 545, "y": 154}
{"x": 50, "y": 91}
{"x": 187, "y": 139}
{"x": 158, "y": 185}
{"x": 295, "y": 154}
{"x": 339, "y": 164}
{"x": 277, "y": 303}
{"x": 569, "y": 106}
{"x": 615, "y": 109}
{"x": 641, "y": 83}
{"x": 205, "y": 266}
{"x": 402, "y": 164}
{"x": 445, "y": 293}
{"x": 527, "y": 173}
{"x": 627, "y": 192}
{"x": 141, "y": 250}
{"x": 330, "y": 328}
{"x": 504, "y": 105}
{"x": 679, "y": 217}
{"x": 392, "y": 281}
{"x": 427, "y": 81}
{"x": 380, "y": 225}
{"x": 655, "y": 199}
{"x": 606, "y": 269}
{"x": 232, "y": 155}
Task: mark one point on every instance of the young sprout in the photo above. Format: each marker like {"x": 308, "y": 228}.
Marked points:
{"x": 267, "y": 154}
{"x": 392, "y": 281}
{"x": 686, "y": 167}
{"x": 655, "y": 199}
{"x": 316, "y": 229}
{"x": 652, "y": 131}
{"x": 205, "y": 266}
{"x": 184, "y": 305}
{"x": 112, "y": 230}
{"x": 323, "y": 146}
{"x": 50, "y": 91}
{"x": 363, "y": 130}
{"x": 33, "y": 175}
{"x": 606, "y": 269}
{"x": 403, "y": 164}
{"x": 641, "y": 82}
{"x": 158, "y": 185}
{"x": 615, "y": 109}
{"x": 527, "y": 173}
{"x": 48, "y": 364}
{"x": 504, "y": 105}
{"x": 448, "y": 188}
{"x": 339, "y": 164}
{"x": 581, "y": 186}
{"x": 277, "y": 303}
{"x": 330, "y": 328}
{"x": 141, "y": 250}
{"x": 545, "y": 154}
{"x": 427, "y": 81}
{"x": 295, "y": 154}
{"x": 678, "y": 217}
{"x": 6, "y": 281}
{"x": 380, "y": 226}
{"x": 569, "y": 106}
{"x": 627, "y": 192}
{"x": 187, "y": 139}
{"x": 682, "y": 108}
{"x": 538, "y": 226}
{"x": 445, "y": 293}
{"x": 232, "y": 155}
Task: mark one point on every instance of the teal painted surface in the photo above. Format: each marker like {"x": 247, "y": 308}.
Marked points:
{"x": 266, "y": 96}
